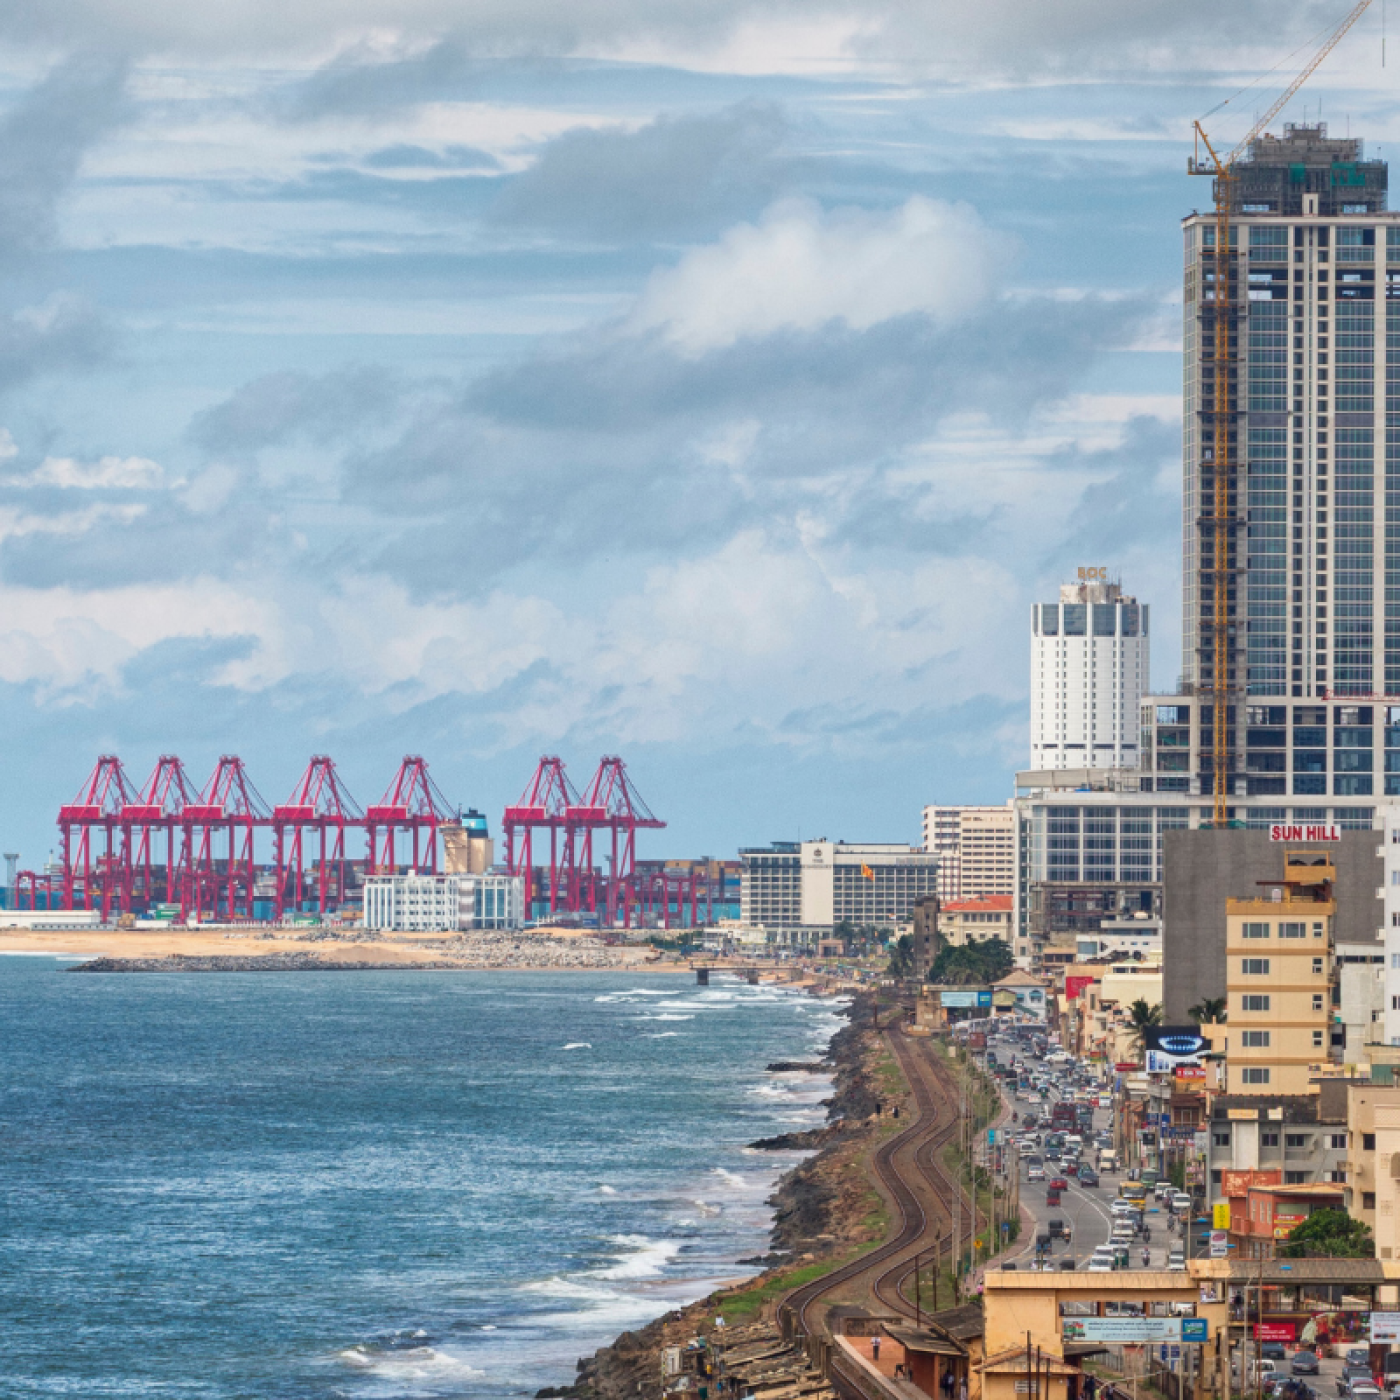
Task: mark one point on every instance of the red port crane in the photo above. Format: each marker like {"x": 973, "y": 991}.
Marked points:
{"x": 609, "y": 803}
{"x": 543, "y": 806}
{"x": 412, "y": 803}
{"x": 321, "y": 805}
{"x": 229, "y": 805}
{"x": 90, "y": 874}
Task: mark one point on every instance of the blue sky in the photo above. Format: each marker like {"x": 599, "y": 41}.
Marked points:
{"x": 714, "y": 385}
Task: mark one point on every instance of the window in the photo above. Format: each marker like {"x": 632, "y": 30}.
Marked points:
{"x": 1292, "y": 930}
{"x": 1268, "y": 1139}
{"x": 1254, "y": 1003}
{"x": 1317, "y": 1040}
{"x": 1338, "y": 1140}
{"x": 1256, "y": 930}
{"x": 1254, "y": 967}
{"x": 1254, "y": 1039}
{"x": 1368, "y": 1142}
{"x": 1255, "y": 1074}
{"x": 1368, "y": 1200}
{"x": 1295, "y": 1178}
{"x": 1220, "y": 1139}
{"x": 1317, "y": 967}
{"x": 1295, "y": 1139}
{"x": 1317, "y": 1001}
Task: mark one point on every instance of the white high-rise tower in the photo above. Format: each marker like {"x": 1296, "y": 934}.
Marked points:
{"x": 1089, "y": 671}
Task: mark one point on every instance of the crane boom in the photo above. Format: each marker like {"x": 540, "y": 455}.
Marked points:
{"x": 1222, "y": 523}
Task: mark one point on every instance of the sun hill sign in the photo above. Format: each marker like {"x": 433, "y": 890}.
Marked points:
{"x": 1279, "y": 832}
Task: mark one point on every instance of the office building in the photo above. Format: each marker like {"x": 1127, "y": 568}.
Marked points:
{"x": 415, "y": 903}
{"x": 1278, "y": 978}
{"x": 1089, "y": 672}
{"x": 975, "y": 848}
{"x": 798, "y": 885}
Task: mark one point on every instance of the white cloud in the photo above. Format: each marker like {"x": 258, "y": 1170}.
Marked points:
{"x": 800, "y": 267}
{"x": 107, "y": 474}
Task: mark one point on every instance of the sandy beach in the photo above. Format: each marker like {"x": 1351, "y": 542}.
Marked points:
{"x": 553, "y": 950}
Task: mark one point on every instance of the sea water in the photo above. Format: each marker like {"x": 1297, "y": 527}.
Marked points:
{"x": 374, "y": 1185}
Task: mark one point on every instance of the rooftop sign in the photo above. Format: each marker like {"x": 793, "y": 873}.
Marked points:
{"x": 1279, "y": 832}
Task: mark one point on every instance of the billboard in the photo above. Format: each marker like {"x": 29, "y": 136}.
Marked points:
{"x": 1075, "y": 985}
{"x": 1170, "y": 1046}
{"x": 1219, "y": 1244}
{"x": 1385, "y": 1327}
{"x": 957, "y": 1000}
{"x": 1220, "y": 1215}
{"x": 1118, "y": 1331}
{"x": 1305, "y": 833}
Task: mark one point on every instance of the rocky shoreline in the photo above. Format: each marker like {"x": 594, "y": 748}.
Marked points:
{"x": 820, "y": 1208}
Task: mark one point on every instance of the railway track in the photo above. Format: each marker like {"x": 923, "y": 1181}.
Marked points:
{"x": 909, "y": 1167}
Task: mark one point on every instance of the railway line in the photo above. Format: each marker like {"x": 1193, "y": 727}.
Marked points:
{"x": 909, "y": 1167}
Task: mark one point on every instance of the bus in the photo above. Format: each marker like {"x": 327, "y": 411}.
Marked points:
{"x": 1133, "y": 1191}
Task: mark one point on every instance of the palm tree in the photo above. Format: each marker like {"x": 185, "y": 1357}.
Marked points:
{"x": 1142, "y": 1018}
{"x": 1208, "y": 1009}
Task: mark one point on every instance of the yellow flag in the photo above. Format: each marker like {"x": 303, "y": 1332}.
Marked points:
{"x": 867, "y": 872}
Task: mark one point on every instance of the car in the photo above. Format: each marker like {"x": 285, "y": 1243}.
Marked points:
{"x": 1273, "y": 1350}
{"x": 1052, "y": 1196}
{"x": 1357, "y": 1356}
{"x": 1181, "y": 1203}
{"x": 1100, "y": 1264}
{"x": 1352, "y": 1377}
{"x": 1068, "y": 1264}
{"x": 1058, "y": 1183}
{"x": 1176, "y": 1261}
{"x": 1035, "y": 1173}
{"x": 1363, "y": 1390}
{"x": 1304, "y": 1363}
{"x": 1055, "y": 1228}
{"x": 1088, "y": 1176}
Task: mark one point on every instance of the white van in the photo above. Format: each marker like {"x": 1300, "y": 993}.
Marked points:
{"x": 1108, "y": 1160}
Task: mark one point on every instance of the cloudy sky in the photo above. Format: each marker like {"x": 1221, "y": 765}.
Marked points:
{"x": 715, "y": 384}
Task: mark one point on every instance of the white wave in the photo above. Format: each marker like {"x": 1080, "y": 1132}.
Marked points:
{"x": 661, "y": 1035}
{"x": 729, "y": 1178}
{"x": 578, "y": 1045}
{"x": 705, "y": 1208}
{"x": 645, "y": 1258}
{"x": 606, "y": 1190}
{"x": 665, "y": 1016}
{"x": 403, "y": 1365}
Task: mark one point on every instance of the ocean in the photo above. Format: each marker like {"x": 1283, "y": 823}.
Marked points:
{"x": 374, "y": 1185}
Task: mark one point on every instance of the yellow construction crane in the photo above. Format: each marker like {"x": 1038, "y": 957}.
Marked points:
{"x": 1222, "y": 518}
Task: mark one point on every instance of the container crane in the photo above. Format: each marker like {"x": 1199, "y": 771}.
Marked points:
{"x": 1223, "y": 520}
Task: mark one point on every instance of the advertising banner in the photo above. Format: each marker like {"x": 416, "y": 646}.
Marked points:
{"x": 1219, "y": 1244}
{"x": 1220, "y": 1215}
{"x": 1286, "y": 1217}
{"x": 1286, "y": 1332}
{"x": 1189, "y": 1074}
{"x": 1385, "y": 1327}
{"x": 958, "y": 1000}
{"x": 1170, "y": 1046}
{"x": 1075, "y": 985}
{"x": 1119, "y": 1331}
{"x": 1305, "y": 833}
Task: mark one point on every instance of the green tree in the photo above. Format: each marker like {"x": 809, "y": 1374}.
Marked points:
{"x": 1142, "y": 1018}
{"x": 901, "y": 962}
{"x": 1208, "y": 1009}
{"x": 1328, "y": 1234}
{"x": 972, "y": 963}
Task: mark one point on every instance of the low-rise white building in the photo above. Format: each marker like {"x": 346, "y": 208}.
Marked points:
{"x": 417, "y": 903}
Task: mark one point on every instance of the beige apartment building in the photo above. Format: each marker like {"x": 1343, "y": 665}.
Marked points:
{"x": 1278, "y": 958}
{"x": 975, "y": 848}
{"x": 963, "y": 921}
{"x": 1373, "y": 1161}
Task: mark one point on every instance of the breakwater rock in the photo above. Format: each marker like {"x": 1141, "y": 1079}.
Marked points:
{"x": 234, "y": 962}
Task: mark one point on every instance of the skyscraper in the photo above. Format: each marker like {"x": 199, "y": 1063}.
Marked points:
{"x": 1089, "y": 672}
{"x": 1309, "y": 292}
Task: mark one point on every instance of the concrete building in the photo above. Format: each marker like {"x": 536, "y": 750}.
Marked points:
{"x": 1359, "y": 1013}
{"x": 1089, "y": 671}
{"x": 817, "y": 884}
{"x": 1283, "y": 1140}
{"x": 1390, "y": 920}
{"x": 1373, "y": 1160}
{"x": 963, "y": 921}
{"x": 432, "y": 903}
{"x": 975, "y": 848}
{"x": 1278, "y": 949}
{"x": 1116, "y": 938}
{"x": 1203, "y": 869}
